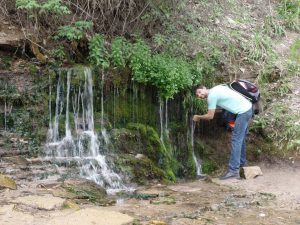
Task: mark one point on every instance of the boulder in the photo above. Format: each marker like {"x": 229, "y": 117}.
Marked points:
{"x": 6, "y": 182}
{"x": 81, "y": 190}
{"x": 250, "y": 172}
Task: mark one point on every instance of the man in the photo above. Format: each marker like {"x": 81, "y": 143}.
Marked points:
{"x": 233, "y": 102}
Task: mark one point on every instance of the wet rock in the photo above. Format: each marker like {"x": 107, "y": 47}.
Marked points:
{"x": 164, "y": 200}
{"x": 81, "y": 190}
{"x": 250, "y": 172}
{"x": 144, "y": 196}
{"x": 92, "y": 216}
{"x": 183, "y": 188}
{"x": 6, "y": 182}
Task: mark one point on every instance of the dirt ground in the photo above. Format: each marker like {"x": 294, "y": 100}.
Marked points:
{"x": 273, "y": 198}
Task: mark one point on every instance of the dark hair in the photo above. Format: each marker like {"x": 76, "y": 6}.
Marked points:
{"x": 200, "y": 87}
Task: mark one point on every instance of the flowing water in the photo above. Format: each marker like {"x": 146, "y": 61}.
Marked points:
{"x": 80, "y": 143}
{"x": 196, "y": 160}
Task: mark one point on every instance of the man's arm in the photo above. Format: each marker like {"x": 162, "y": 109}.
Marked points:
{"x": 208, "y": 116}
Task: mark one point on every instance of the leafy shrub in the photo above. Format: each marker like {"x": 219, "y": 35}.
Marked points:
{"x": 75, "y": 31}
{"x": 98, "y": 54}
{"x": 36, "y": 7}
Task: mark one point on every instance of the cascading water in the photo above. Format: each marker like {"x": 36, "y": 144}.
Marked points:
{"x": 83, "y": 146}
{"x": 197, "y": 161}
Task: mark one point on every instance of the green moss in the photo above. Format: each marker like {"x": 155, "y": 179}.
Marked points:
{"x": 32, "y": 69}
{"x": 130, "y": 105}
{"x": 149, "y": 139}
{"x": 5, "y": 62}
{"x": 208, "y": 166}
{"x": 145, "y": 170}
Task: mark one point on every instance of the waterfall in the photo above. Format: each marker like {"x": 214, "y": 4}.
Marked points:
{"x": 83, "y": 145}
{"x": 58, "y": 109}
{"x": 68, "y": 131}
{"x": 161, "y": 120}
{"x": 5, "y": 108}
{"x": 50, "y": 130}
{"x": 197, "y": 161}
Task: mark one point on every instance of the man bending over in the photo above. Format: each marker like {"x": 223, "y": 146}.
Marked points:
{"x": 233, "y": 102}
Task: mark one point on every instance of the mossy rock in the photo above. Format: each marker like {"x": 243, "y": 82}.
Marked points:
{"x": 6, "y": 182}
{"x": 148, "y": 139}
{"x": 85, "y": 190}
{"x": 144, "y": 170}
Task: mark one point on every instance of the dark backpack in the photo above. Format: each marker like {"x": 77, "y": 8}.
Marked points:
{"x": 247, "y": 89}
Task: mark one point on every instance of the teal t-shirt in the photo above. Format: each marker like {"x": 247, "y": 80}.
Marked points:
{"x": 228, "y": 99}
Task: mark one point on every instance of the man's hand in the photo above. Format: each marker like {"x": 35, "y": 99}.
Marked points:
{"x": 196, "y": 118}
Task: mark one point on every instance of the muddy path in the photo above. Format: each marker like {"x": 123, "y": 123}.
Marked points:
{"x": 273, "y": 198}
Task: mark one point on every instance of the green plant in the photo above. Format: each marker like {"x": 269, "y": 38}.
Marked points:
{"x": 58, "y": 53}
{"x": 169, "y": 74}
{"x": 75, "y": 31}
{"x": 98, "y": 54}
{"x": 120, "y": 52}
{"x": 38, "y": 9}
{"x": 50, "y": 6}
{"x": 273, "y": 27}
{"x": 289, "y": 10}
{"x": 295, "y": 51}
{"x": 259, "y": 49}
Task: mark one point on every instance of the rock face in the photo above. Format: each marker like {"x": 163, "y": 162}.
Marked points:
{"x": 250, "y": 172}
{"x": 11, "y": 37}
{"x": 6, "y": 182}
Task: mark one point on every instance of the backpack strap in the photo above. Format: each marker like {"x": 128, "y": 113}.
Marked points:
{"x": 238, "y": 88}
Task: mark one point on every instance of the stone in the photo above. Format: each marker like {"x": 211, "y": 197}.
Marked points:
{"x": 82, "y": 190}
{"x": 156, "y": 222}
{"x": 92, "y": 216}
{"x": 70, "y": 205}
{"x": 140, "y": 156}
{"x": 250, "y": 172}
{"x": 47, "y": 202}
{"x": 163, "y": 200}
{"x": 7, "y": 182}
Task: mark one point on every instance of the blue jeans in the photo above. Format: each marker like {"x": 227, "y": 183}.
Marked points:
{"x": 238, "y": 141}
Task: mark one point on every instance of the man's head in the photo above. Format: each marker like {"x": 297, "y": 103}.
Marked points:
{"x": 201, "y": 92}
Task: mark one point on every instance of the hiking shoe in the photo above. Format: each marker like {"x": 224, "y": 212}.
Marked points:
{"x": 230, "y": 174}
